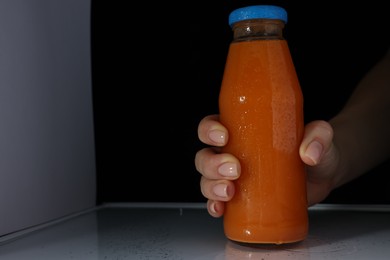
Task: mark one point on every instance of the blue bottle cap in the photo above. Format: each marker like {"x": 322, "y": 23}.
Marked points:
{"x": 258, "y": 11}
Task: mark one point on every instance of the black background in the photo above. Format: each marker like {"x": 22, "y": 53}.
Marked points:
{"x": 157, "y": 69}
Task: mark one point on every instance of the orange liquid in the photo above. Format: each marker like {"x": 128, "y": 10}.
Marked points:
{"x": 261, "y": 105}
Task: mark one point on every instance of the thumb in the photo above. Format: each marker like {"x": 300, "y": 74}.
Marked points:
{"x": 316, "y": 142}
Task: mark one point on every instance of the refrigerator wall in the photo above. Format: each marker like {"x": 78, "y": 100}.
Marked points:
{"x": 47, "y": 160}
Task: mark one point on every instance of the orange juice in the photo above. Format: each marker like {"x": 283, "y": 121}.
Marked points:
{"x": 261, "y": 105}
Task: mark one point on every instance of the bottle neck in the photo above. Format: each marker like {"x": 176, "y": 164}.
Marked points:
{"x": 258, "y": 29}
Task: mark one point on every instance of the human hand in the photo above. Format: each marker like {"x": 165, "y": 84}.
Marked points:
{"x": 219, "y": 170}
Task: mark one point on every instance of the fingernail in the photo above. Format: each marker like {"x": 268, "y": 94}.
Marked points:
{"x": 314, "y": 151}
{"x": 217, "y": 136}
{"x": 220, "y": 190}
{"x": 228, "y": 169}
{"x": 213, "y": 207}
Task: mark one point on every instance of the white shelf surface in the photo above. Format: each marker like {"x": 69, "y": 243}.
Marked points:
{"x": 186, "y": 231}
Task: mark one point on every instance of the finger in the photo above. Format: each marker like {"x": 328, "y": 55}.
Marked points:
{"x": 211, "y": 131}
{"x": 218, "y": 190}
{"x": 316, "y": 142}
{"x": 215, "y": 208}
{"x": 213, "y": 165}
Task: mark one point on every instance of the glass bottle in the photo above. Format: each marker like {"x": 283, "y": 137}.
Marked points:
{"x": 261, "y": 104}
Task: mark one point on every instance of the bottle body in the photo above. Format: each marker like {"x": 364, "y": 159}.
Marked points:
{"x": 261, "y": 105}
